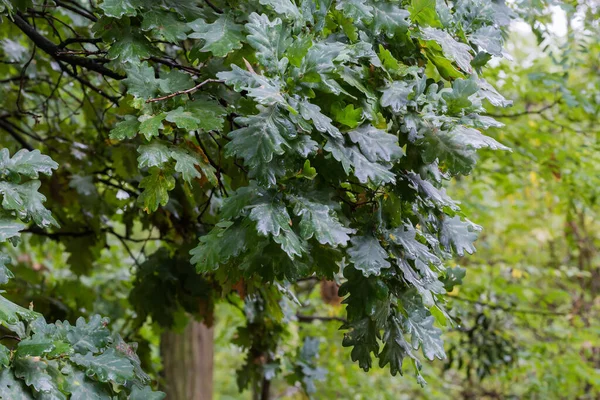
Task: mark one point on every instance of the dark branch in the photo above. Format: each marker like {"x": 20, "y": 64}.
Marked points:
{"x": 215, "y": 8}
{"x": 56, "y": 235}
{"x": 86, "y": 83}
{"x": 508, "y": 309}
{"x": 311, "y": 318}
{"x": 15, "y": 135}
{"x": 77, "y": 9}
{"x": 54, "y": 50}
{"x": 69, "y": 41}
{"x": 526, "y": 112}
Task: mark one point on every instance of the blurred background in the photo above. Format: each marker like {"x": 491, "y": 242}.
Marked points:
{"x": 528, "y": 311}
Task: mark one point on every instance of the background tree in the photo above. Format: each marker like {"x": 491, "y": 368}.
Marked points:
{"x": 279, "y": 142}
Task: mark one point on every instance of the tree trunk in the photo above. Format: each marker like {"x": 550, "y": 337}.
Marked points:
{"x": 188, "y": 363}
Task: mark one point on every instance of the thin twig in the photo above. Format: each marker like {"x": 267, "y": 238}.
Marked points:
{"x": 526, "y": 112}
{"x": 51, "y": 48}
{"x": 508, "y": 309}
{"x": 187, "y": 91}
{"x": 174, "y": 64}
{"x": 77, "y": 9}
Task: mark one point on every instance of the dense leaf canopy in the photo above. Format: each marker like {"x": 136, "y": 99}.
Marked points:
{"x": 245, "y": 147}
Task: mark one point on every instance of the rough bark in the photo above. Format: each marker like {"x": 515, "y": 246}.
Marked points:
{"x": 188, "y": 363}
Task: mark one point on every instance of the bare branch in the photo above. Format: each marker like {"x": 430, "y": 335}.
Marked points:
{"x": 53, "y": 50}
{"x": 311, "y": 318}
{"x": 15, "y": 135}
{"x": 508, "y": 309}
{"x": 187, "y": 91}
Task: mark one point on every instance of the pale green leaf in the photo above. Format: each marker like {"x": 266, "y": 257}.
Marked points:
{"x": 150, "y": 125}
{"x": 270, "y": 39}
{"x": 454, "y": 50}
{"x": 319, "y": 220}
{"x": 220, "y": 37}
{"x": 153, "y": 155}
{"x": 25, "y": 162}
{"x": 106, "y": 367}
{"x": 126, "y": 129}
{"x": 367, "y": 255}
{"x": 423, "y": 12}
{"x": 376, "y": 144}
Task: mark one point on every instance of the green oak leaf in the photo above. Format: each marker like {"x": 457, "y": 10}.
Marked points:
{"x": 120, "y": 8}
{"x": 367, "y": 255}
{"x": 209, "y": 113}
{"x": 151, "y": 124}
{"x": 166, "y": 24}
{"x": 457, "y": 148}
{"x": 184, "y": 119}
{"x": 130, "y": 48}
{"x": 348, "y": 115}
{"x": 140, "y": 81}
{"x": 459, "y": 235}
{"x": 459, "y": 97}
{"x": 319, "y": 220}
{"x": 423, "y": 12}
{"x": 4, "y": 359}
{"x": 419, "y": 325}
{"x": 395, "y": 347}
{"x": 454, "y": 50}
{"x": 270, "y": 39}
{"x": 405, "y": 236}
{"x": 322, "y": 123}
{"x": 40, "y": 345}
{"x": 262, "y": 138}
{"x": 126, "y": 129}
{"x": 84, "y": 388}
{"x": 5, "y": 273}
{"x": 376, "y": 144}
{"x": 10, "y": 228}
{"x": 186, "y": 162}
{"x": 220, "y": 244}
{"x": 145, "y": 393}
{"x": 174, "y": 81}
{"x": 488, "y": 39}
{"x": 86, "y": 337}
{"x": 286, "y": 8}
{"x": 431, "y": 193}
{"x": 272, "y": 218}
{"x": 389, "y": 18}
{"x": 12, "y": 388}
{"x": 43, "y": 375}
{"x": 353, "y": 159}
{"x": 396, "y": 95}
{"x": 264, "y": 90}
{"x": 27, "y": 163}
{"x": 106, "y": 367}
{"x": 153, "y": 155}
{"x": 27, "y": 202}
{"x": 156, "y": 189}
{"x": 357, "y": 10}
{"x": 220, "y": 37}
{"x": 453, "y": 277}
